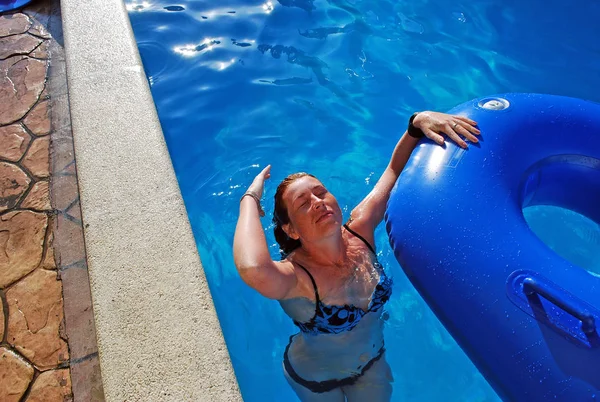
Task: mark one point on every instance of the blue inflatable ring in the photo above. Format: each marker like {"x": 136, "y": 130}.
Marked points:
{"x": 527, "y": 318}
{"x": 9, "y": 5}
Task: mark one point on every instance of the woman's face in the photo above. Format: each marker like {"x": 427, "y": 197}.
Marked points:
{"x": 314, "y": 212}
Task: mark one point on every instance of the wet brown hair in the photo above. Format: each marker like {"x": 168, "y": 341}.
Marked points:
{"x": 281, "y": 217}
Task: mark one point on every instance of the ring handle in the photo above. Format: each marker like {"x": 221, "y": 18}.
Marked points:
{"x": 532, "y": 287}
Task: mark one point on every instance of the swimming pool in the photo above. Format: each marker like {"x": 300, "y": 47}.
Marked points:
{"x": 327, "y": 87}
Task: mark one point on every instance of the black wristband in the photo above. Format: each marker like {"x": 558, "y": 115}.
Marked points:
{"x": 412, "y": 130}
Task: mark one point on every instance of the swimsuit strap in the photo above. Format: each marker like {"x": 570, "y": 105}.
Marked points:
{"x": 360, "y": 237}
{"x": 317, "y": 301}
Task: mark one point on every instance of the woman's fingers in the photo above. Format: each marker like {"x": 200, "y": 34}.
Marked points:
{"x": 464, "y": 131}
{"x": 454, "y": 126}
{"x": 258, "y": 182}
{"x": 468, "y": 126}
{"x": 438, "y": 138}
{"x": 466, "y": 120}
{"x": 449, "y": 130}
{"x": 266, "y": 172}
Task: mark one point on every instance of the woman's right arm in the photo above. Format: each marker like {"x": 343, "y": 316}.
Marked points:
{"x": 250, "y": 251}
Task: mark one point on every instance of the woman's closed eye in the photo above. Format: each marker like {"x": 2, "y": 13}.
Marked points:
{"x": 301, "y": 203}
{"x": 320, "y": 192}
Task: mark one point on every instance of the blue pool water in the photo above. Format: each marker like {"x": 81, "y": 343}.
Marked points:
{"x": 327, "y": 87}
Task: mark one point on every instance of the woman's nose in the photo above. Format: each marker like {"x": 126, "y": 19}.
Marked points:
{"x": 318, "y": 202}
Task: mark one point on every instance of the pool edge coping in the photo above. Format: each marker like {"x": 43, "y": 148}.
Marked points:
{"x": 158, "y": 337}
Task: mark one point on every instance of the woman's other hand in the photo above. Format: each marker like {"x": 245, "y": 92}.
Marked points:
{"x": 258, "y": 184}
{"x": 433, "y": 124}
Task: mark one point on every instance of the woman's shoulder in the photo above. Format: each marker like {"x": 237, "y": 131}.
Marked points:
{"x": 361, "y": 232}
{"x": 305, "y": 283}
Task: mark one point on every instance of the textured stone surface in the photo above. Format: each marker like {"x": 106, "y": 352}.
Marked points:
{"x": 13, "y": 142}
{"x": 36, "y": 330}
{"x": 37, "y": 158}
{"x": 70, "y": 170}
{"x": 75, "y": 211}
{"x": 42, "y": 51}
{"x": 20, "y": 86}
{"x": 14, "y": 24}
{"x": 13, "y": 183}
{"x": 51, "y": 386}
{"x": 45, "y": 94}
{"x": 69, "y": 240}
{"x": 38, "y": 29}
{"x": 5, "y": 65}
{"x": 38, "y": 198}
{"x": 66, "y": 191}
{"x": 17, "y": 44}
{"x": 78, "y": 312}
{"x": 49, "y": 260}
{"x": 36, "y": 313}
{"x": 62, "y": 151}
{"x": 38, "y": 120}
{"x": 21, "y": 242}
{"x": 87, "y": 381}
{"x": 1, "y": 320}
{"x": 15, "y": 376}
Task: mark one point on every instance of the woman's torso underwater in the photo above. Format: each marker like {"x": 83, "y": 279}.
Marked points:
{"x": 341, "y": 325}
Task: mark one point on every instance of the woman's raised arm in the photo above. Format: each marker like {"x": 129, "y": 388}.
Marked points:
{"x": 369, "y": 213}
{"x": 250, "y": 251}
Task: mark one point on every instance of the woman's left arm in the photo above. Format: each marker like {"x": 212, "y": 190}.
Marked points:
{"x": 369, "y": 213}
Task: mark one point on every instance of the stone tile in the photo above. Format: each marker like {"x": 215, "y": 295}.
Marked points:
{"x": 42, "y": 51}
{"x": 60, "y": 107}
{"x": 1, "y": 320}
{"x": 18, "y": 44}
{"x": 38, "y": 29}
{"x": 14, "y": 24}
{"x": 62, "y": 152}
{"x": 64, "y": 191}
{"x": 49, "y": 261}
{"x": 37, "y": 158}
{"x": 87, "y": 381}
{"x": 20, "y": 86}
{"x": 39, "y": 11}
{"x": 75, "y": 211}
{"x": 51, "y": 386}
{"x": 45, "y": 95}
{"x": 68, "y": 240}
{"x": 35, "y": 308}
{"x": 5, "y": 65}
{"x": 38, "y": 120}
{"x": 21, "y": 243}
{"x": 79, "y": 317}
{"x": 70, "y": 169}
{"x": 13, "y": 142}
{"x": 15, "y": 376}
{"x": 13, "y": 184}
{"x": 38, "y": 198}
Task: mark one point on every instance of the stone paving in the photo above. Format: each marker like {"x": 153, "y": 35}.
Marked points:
{"x": 47, "y": 337}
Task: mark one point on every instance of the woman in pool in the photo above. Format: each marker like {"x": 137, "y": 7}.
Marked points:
{"x": 329, "y": 281}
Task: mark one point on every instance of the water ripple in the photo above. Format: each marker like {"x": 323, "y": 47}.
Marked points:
{"x": 326, "y": 86}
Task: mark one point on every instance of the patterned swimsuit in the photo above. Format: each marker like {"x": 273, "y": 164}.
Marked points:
{"x": 337, "y": 319}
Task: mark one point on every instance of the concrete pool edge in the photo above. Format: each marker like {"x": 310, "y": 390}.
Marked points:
{"x": 158, "y": 334}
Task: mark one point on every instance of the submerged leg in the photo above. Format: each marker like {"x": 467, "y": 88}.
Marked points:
{"x": 306, "y": 395}
{"x": 375, "y": 385}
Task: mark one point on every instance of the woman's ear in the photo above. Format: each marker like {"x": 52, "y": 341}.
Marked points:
{"x": 290, "y": 232}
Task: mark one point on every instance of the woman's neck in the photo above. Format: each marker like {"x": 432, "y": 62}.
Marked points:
{"x": 329, "y": 251}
